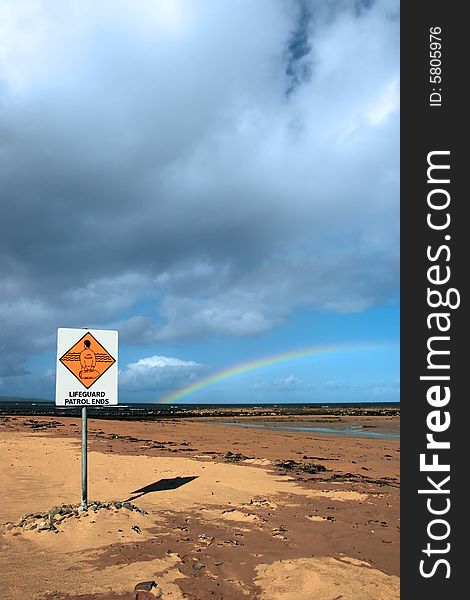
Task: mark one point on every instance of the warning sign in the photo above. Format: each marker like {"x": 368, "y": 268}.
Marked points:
{"x": 86, "y": 360}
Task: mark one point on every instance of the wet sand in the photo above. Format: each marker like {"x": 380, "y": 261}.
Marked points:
{"x": 229, "y": 512}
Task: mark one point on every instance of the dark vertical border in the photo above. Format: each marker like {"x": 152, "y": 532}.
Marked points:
{"x": 425, "y": 129}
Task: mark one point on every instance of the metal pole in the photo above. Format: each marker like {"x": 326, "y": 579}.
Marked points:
{"x": 84, "y": 459}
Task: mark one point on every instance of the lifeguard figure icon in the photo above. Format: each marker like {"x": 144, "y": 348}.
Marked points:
{"x": 88, "y": 362}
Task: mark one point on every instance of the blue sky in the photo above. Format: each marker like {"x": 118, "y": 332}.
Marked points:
{"x": 217, "y": 180}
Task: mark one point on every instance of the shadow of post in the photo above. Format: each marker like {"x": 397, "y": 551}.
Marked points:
{"x": 161, "y": 485}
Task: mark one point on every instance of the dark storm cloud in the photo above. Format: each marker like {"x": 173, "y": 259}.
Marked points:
{"x": 299, "y": 68}
{"x": 151, "y": 154}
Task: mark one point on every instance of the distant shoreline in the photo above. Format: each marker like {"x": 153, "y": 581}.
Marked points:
{"x": 164, "y": 411}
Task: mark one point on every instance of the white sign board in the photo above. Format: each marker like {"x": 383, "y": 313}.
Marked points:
{"x": 87, "y": 367}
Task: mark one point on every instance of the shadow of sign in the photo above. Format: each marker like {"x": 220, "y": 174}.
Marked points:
{"x": 162, "y": 485}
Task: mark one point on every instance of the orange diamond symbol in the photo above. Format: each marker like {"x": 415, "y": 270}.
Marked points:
{"x": 87, "y": 360}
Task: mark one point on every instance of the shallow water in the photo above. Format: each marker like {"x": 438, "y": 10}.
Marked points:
{"x": 351, "y": 431}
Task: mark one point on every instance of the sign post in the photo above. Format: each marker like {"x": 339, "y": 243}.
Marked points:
{"x": 86, "y": 375}
{"x": 84, "y": 459}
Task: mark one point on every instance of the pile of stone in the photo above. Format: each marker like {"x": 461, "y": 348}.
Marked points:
{"x": 43, "y": 424}
{"x": 234, "y": 457}
{"x": 49, "y": 520}
{"x": 292, "y": 465}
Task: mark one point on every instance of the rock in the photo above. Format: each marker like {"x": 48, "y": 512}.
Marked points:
{"x": 31, "y": 527}
{"x": 230, "y": 456}
{"x": 313, "y": 468}
{"x": 292, "y": 465}
{"x": 217, "y": 563}
{"x": 198, "y": 566}
{"x": 81, "y": 508}
{"x": 145, "y": 585}
{"x": 143, "y": 595}
{"x": 117, "y": 504}
{"x": 287, "y": 464}
{"x": 60, "y": 518}
{"x": 127, "y": 505}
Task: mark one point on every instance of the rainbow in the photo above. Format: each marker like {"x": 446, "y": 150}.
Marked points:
{"x": 246, "y": 367}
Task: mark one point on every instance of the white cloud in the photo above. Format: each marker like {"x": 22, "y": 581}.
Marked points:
{"x": 289, "y": 383}
{"x": 386, "y": 104}
{"x": 155, "y": 373}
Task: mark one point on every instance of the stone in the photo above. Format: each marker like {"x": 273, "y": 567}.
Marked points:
{"x": 117, "y": 504}
{"x": 287, "y": 464}
{"x": 127, "y": 505}
{"x": 143, "y": 595}
{"x": 198, "y": 566}
{"x": 292, "y": 465}
{"x": 230, "y": 456}
{"x": 217, "y": 563}
{"x": 313, "y": 468}
{"x": 145, "y": 585}
{"x": 60, "y": 518}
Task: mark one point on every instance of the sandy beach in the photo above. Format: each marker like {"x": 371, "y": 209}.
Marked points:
{"x": 205, "y": 510}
